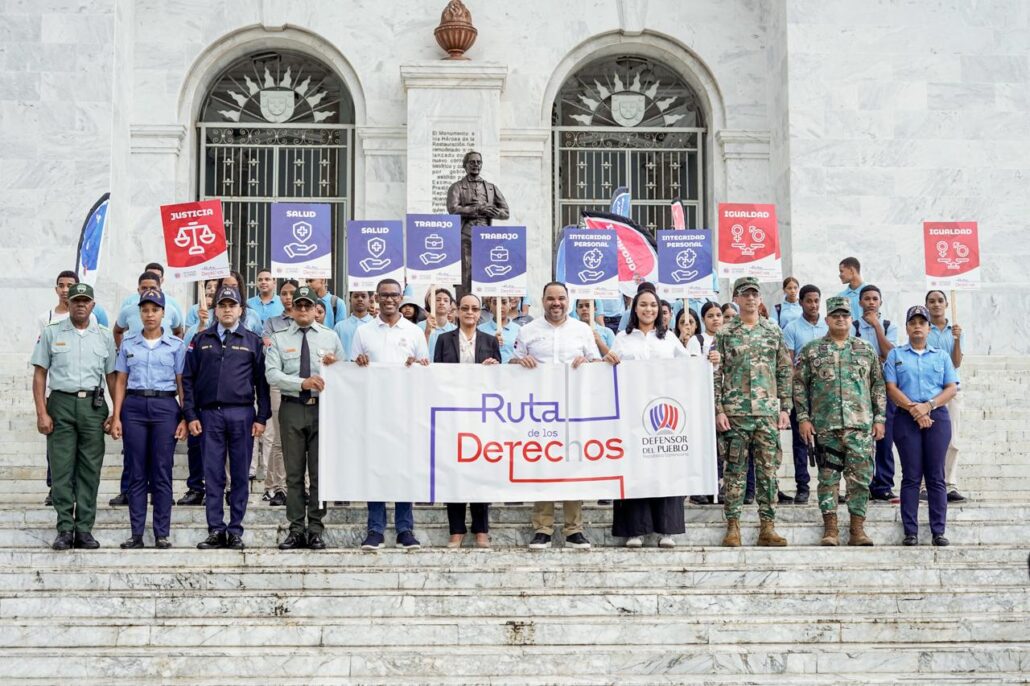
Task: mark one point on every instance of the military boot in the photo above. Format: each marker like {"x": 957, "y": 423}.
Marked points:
{"x": 831, "y": 535}
{"x": 767, "y": 536}
{"x": 857, "y": 534}
{"x": 732, "y": 538}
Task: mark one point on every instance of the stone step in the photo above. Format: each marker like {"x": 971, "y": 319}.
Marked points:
{"x": 358, "y": 664}
{"x": 476, "y": 632}
{"x": 545, "y": 602}
{"x": 260, "y": 513}
{"x": 458, "y": 576}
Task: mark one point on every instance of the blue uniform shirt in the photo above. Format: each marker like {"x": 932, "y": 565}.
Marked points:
{"x": 101, "y": 314}
{"x": 252, "y": 319}
{"x": 919, "y": 377}
{"x": 800, "y": 332}
{"x": 345, "y": 330}
{"x": 852, "y": 295}
{"x": 612, "y": 307}
{"x": 509, "y": 333}
{"x": 233, "y": 376}
{"x": 333, "y": 315}
{"x": 437, "y": 332}
{"x": 607, "y": 335}
{"x": 944, "y": 339}
{"x": 868, "y": 334}
{"x": 129, "y": 319}
{"x": 789, "y": 312}
{"x": 265, "y": 310}
{"x": 151, "y": 369}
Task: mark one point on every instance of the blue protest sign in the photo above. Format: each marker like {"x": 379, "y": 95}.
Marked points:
{"x": 375, "y": 251}
{"x": 302, "y": 240}
{"x": 499, "y": 260}
{"x": 591, "y": 263}
{"x": 685, "y": 263}
{"x": 433, "y": 249}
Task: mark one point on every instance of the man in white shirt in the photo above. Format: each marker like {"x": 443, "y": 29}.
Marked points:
{"x": 389, "y": 339}
{"x": 556, "y": 339}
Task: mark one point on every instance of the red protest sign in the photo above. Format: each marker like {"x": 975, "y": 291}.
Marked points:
{"x": 749, "y": 241}
{"x": 952, "y": 253}
{"x": 195, "y": 244}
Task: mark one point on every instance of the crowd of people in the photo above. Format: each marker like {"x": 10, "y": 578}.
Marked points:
{"x": 239, "y": 380}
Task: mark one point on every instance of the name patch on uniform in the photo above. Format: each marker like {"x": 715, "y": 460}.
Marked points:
{"x": 60, "y": 343}
{"x": 290, "y": 350}
{"x": 240, "y": 347}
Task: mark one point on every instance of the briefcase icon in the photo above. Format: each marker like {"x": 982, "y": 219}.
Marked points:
{"x": 499, "y": 254}
{"x": 434, "y": 242}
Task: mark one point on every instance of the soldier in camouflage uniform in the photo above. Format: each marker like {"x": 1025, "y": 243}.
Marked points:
{"x": 840, "y": 399}
{"x": 752, "y": 403}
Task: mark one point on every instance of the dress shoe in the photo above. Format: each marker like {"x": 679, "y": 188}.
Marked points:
{"x": 315, "y": 542}
{"x": 64, "y": 541}
{"x": 191, "y": 498}
{"x": 801, "y": 497}
{"x": 911, "y": 539}
{"x": 883, "y": 497}
{"x": 940, "y": 540}
{"x": 48, "y": 501}
{"x": 956, "y": 497}
{"x": 234, "y": 541}
{"x": 120, "y": 500}
{"x": 85, "y": 540}
{"x": 162, "y": 543}
{"x": 132, "y": 542}
{"x": 698, "y": 500}
{"x": 783, "y": 499}
{"x": 278, "y": 500}
{"x": 295, "y": 541}
{"x": 214, "y": 541}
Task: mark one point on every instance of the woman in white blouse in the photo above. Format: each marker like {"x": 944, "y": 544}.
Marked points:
{"x": 646, "y": 338}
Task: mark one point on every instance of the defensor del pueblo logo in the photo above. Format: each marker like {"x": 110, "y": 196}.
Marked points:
{"x": 664, "y": 422}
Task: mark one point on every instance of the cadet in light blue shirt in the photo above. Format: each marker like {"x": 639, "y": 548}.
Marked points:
{"x": 266, "y": 303}
{"x": 943, "y": 335}
{"x": 790, "y": 308}
{"x": 607, "y": 337}
{"x": 359, "y": 302}
{"x": 882, "y": 335}
{"x": 158, "y": 270}
{"x": 129, "y": 319}
{"x": 809, "y": 326}
{"x": 509, "y": 329}
{"x": 335, "y": 307}
{"x": 849, "y": 271}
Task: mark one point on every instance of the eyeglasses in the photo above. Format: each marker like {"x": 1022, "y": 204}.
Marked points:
{"x": 838, "y": 315}
{"x": 469, "y": 308}
{"x": 389, "y": 296}
{"x": 302, "y": 305}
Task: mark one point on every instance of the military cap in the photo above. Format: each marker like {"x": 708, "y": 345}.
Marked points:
{"x": 228, "y": 293}
{"x": 80, "y": 290}
{"x": 837, "y": 303}
{"x": 745, "y": 283}
{"x": 153, "y": 296}
{"x": 917, "y": 311}
{"x": 306, "y": 293}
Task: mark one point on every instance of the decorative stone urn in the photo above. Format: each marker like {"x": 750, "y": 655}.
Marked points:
{"x": 455, "y": 34}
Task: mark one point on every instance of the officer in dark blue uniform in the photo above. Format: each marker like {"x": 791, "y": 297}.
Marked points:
{"x": 147, "y": 413}
{"x": 224, "y": 374}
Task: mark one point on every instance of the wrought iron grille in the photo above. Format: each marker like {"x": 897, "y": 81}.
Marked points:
{"x": 271, "y": 133}
{"x": 628, "y": 121}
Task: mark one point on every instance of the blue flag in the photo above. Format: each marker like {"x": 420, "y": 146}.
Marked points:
{"x": 87, "y": 257}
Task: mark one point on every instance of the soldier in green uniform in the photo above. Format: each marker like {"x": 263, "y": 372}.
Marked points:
{"x": 752, "y": 403}
{"x": 841, "y": 402}
{"x": 77, "y": 356}
{"x": 293, "y": 361}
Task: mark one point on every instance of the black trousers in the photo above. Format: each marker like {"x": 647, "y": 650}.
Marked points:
{"x": 480, "y": 518}
{"x": 642, "y": 516}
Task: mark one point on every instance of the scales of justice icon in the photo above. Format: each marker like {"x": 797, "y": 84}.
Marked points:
{"x": 196, "y": 236}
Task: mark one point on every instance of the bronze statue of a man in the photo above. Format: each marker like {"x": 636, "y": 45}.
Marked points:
{"x": 478, "y": 202}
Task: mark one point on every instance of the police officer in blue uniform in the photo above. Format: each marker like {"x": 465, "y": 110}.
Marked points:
{"x": 223, "y": 376}
{"x": 921, "y": 379}
{"x": 148, "y": 414}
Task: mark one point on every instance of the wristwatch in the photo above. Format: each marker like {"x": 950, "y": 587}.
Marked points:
{"x": 932, "y": 404}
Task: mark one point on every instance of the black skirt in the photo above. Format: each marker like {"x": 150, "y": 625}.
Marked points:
{"x": 642, "y": 516}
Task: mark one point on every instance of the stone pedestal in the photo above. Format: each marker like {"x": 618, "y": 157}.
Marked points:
{"x": 453, "y": 107}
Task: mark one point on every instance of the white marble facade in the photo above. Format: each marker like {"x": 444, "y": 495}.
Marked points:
{"x": 859, "y": 120}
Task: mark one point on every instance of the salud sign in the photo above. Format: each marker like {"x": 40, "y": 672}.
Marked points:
{"x": 685, "y": 264}
{"x": 499, "y": 260}
{"x": 375, "y": 251}
{"x": 952, "y": 251}
{"x": 195, "y": 244}
{"x": 302, "y": 241}
{"x": 433, "y": 249}
{"x": 749, "y": 242}
{"x": 591, "y": 263}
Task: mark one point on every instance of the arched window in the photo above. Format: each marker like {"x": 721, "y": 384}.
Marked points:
{"x": 628, "y": 121}
{"x": 276, "y": 126}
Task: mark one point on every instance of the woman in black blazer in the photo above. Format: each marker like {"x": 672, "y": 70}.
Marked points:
{"x": 468, "y": 345}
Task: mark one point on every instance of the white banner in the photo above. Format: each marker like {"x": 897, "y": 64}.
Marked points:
{"x": 474, "y": 433}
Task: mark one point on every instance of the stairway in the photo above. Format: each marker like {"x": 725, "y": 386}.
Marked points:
{"x": 696, "y": 614}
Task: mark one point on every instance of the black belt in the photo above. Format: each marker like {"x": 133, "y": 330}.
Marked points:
{"x": 298, "y": 401}
{"x": 76, "y": 394}
{"x": 147, "y": 393}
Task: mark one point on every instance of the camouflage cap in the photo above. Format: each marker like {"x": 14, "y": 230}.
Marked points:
{"x": 837, "y": 303}
{"x": 745, "y": 283}
{"x": 80, "y": 290}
